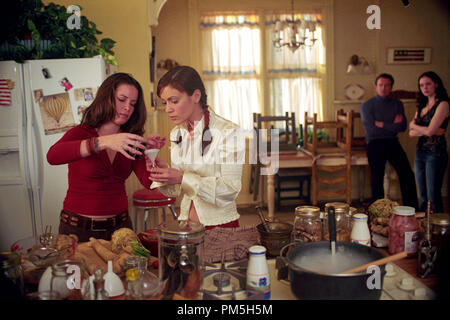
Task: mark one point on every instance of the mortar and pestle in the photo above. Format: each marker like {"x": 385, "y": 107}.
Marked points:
{"x": 273, "y": 235}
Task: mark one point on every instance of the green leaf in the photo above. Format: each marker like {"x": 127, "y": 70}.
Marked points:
{"x": 107, "y": 44}
{"x": 35, "y": 35}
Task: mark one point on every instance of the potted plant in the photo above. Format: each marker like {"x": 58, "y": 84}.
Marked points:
{"x": 38, "y": 31}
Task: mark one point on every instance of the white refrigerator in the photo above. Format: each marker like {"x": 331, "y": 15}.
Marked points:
{"x": 39, "y": 101}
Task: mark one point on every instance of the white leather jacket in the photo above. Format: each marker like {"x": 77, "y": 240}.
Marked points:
{"x": 211, "y": 181}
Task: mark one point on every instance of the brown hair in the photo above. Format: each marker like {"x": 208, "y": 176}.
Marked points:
{"x": 102, "y": 109}
{"x": 184, "y": 79}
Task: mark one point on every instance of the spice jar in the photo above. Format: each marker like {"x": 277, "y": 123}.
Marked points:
{"x": 360, "y": 231}
{"x": 343, "y": 230}
{"x": 439, "y": 229}
{"x": 180, "y": 248}
{"x": 403, "y": 231}
{"x": 307, "y": 224}
{"x": 11, "y": 276}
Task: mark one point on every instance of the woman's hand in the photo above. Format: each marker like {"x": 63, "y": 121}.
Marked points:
{"x": 158, "y": 163}
{"x": 122, "y": 142}
{"x": 155, "y": 141}
{"x": 166, "y": 175}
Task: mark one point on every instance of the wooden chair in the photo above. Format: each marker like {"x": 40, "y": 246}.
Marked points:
{"x": 287, "y": 141}
{"x": 357, "y": 143}
{"x": 329, "y": 156}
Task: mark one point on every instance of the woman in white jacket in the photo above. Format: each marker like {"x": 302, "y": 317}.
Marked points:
{"x": 207, "y": 153}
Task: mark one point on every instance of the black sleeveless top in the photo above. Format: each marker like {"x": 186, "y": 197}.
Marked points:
{"x": 434, "y": 143}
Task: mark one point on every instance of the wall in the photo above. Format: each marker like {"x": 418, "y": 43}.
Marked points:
{"x": 127, "y": 23}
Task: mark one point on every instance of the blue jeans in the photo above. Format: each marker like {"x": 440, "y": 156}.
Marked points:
{"x": 430, "y": 169}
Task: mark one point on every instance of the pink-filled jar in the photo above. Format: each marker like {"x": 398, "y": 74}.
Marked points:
{"x": 403, "y": 231}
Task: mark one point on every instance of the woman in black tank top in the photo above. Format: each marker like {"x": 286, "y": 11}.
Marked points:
{"x": 430, "y": 125}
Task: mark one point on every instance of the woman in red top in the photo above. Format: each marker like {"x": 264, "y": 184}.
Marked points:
{"x": 100, "y": 156}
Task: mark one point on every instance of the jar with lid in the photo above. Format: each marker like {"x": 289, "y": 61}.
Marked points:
{"x": 69, "y": 278}
{"x": 180, "y": 246}
{"x": 403, "y": 231}
{"x": 11, "y": 276}
{"x": 343, "y": 230}
{"x": 258, "y": 275}
{"x": 439, "y": 229}
{"x": 351, "y": 212}
{"x": 360, "y": 231}
{"x": 307, "y": 224}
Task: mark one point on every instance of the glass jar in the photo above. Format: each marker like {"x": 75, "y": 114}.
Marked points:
{"x": 11, "y": 276}
{"x": 307, "y": 224}
{"x": 142, "y": 284}
{"x": 351, "y": 212}
{"x": 403, "y": 231}
{"x": 343, "y": 230}
{"x": 69, "y": 278}
{"x": 439, "y": 229}
{"x": 360, "y": 231}
{"x": 180, "y": 246}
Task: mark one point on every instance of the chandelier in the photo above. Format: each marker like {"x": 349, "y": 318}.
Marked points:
{"x": 305, "y": 36}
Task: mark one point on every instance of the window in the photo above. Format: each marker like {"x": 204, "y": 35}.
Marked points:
{"x": 239, "y": 62}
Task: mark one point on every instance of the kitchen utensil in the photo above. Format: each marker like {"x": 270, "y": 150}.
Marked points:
{"x": 332, "y": 229}
{"x": 379, "y": 262}
{"x": 275, "y": 239}
{"x": 113, "y": 285}
{"x": 263, "y": 220}
{"x": 151, "y": 154}
{"x": 319, "y": 285}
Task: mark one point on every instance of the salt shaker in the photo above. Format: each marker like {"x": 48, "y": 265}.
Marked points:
{"x": 360, "y": 231}
{"x": 258, "y": 276}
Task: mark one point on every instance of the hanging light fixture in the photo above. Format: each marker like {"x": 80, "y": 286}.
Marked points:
{"x": 297, "y": 37}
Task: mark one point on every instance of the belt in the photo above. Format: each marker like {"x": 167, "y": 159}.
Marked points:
{"x": 99, "y": 224}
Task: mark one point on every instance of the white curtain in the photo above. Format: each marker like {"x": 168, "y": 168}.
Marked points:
{"x": 231, "y": 65}
{"x": 295, "y": 83}
{"x": 232, "y": 68}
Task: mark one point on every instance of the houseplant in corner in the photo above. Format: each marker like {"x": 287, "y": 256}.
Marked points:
{"x": 38, "y": 31}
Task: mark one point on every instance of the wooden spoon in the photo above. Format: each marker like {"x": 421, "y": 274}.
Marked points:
{"x": 379, "y": 262}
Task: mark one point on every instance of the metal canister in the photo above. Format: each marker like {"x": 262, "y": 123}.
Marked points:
{"x": 11, "y": 276}
{"x": 307, "y": 224}
{"x": 343, "y": 229}
{"x": 181, "y": 246}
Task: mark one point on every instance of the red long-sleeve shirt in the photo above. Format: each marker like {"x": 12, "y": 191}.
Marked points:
{"x": 96, "y": 186}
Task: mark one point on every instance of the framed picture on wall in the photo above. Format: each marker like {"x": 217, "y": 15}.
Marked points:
{"x": 408, "y": 55}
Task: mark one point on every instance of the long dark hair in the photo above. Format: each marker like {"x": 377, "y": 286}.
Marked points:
{"x": 186, "y": 79}
{"x": 102, "y": 109}
{"x": 441, "y": 92}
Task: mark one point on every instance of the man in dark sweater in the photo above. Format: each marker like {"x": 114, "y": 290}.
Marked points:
{"x": 383, "y": 118}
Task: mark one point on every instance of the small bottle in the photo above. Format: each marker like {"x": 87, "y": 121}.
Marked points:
{"x": 258, "y": 276}
{"x": 99, "y": 285}
{"x": 360, "y": 231}
{"x": 426, "y": 250}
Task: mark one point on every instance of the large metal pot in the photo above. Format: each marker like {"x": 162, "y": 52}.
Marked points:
{"x": 307, "y": 284}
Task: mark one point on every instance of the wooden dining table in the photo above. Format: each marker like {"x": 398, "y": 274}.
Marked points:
{"x": 299, "y": 159}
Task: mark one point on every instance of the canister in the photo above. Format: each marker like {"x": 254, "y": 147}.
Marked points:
{"x": 181, "y": 250}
